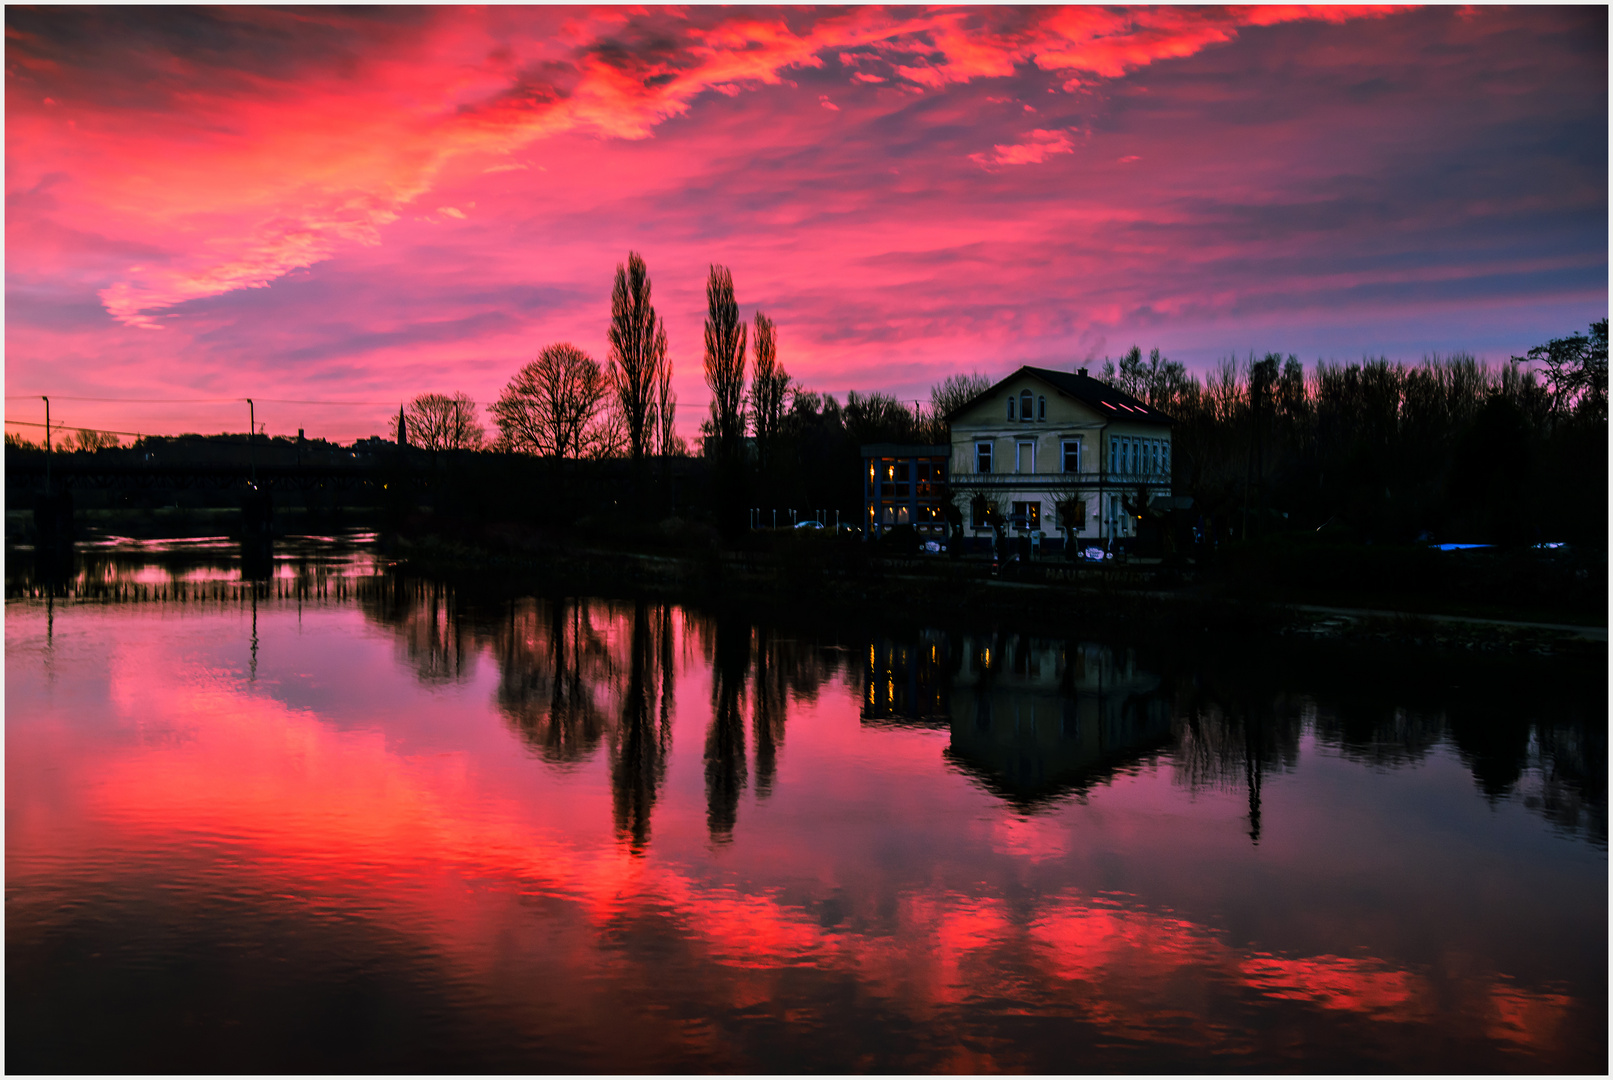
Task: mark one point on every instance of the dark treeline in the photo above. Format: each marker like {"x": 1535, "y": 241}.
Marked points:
{"x": 1382, "y": 451}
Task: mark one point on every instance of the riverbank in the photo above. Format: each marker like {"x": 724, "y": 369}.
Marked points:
{"x": 1149, "y": 600}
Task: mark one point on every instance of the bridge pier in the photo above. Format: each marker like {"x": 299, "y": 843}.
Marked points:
{"x": 53, "y": 521}
{"x": 257, "y": 534}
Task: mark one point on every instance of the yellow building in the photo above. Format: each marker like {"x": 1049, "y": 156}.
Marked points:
{"x": 1041, "y": 439}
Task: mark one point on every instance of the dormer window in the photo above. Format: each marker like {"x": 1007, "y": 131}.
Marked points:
{"x": 1010, "y": 406}
{"x": 1025, "y": 405}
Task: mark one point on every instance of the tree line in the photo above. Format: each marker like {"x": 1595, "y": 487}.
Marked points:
{"x": 1447, "y": 448}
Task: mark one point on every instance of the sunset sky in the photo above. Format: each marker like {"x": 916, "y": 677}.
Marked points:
{"x": 363, "y": 205}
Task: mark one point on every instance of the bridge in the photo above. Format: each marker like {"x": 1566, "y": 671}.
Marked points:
{"x": 130, "y": 470}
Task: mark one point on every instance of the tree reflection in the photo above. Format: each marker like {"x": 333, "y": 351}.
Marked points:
{"x": 1032, "y": 719}
{"x": 638, "y": 765}
{"x": 725, "y": 738}
{"x": 767, "y": 710}
{"x": 557, "y": 677}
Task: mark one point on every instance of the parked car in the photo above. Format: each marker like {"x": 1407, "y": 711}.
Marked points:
{"x": 815, "y": 526}
{"x": 1096, "y": 554}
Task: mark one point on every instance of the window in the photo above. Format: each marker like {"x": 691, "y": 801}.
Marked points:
{"x": 1153, "y": 457}
{"x": 1010, "y": 406}
{"x": 1025, "y": 457}
{"x": 1025, "y": 405}
{"x": 1072, "y": 455}
{"x": 1027, "y": 515}
{"x": 1165, "y": 458}
{"x": 1041, "y": 408}
{"x": 982, "y": 457}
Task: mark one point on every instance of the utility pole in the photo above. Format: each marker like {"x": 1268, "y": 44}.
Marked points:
{"x": 47, "y": 444}
{"x": 251, "y": 429}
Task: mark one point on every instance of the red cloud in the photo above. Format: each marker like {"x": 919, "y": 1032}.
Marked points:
{"x": 249, "y": 175}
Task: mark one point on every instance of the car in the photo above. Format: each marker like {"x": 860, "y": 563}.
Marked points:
{"x": 1096, "y": 554}
{"x": 815, "y": 526}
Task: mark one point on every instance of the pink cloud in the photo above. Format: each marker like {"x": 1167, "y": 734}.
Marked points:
{"x": 1036, "y": 148}
{"x": 273, "y": 175}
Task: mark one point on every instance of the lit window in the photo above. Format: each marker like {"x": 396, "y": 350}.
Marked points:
{"x": 1027, "y": 515}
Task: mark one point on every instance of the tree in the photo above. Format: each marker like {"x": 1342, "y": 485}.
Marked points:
{"x": 666, "y": 409}
{"x": 956, "y": 391}
{"x": 439, "y": 422}
{"x": 1576, "y": 369}
{"x": 1157, "y": 381}
{"x": 725, "y": 361}
{"x": 551, "y": 407}
{"x": 1071, "y": 511}
{"x": 637, "y": 352}
{"x": 85, "y": 439}
{"x": 769, "y": 387}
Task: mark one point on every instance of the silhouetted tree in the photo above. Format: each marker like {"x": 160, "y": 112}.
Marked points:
{"x": 440, "y": 422}
{"x": 637, "y": 352}
{"x": 552, "y": 406}
{"x": 666, "y": 409}
{"x": 725, "y": 362}
{"x": 85, "y": 439}
{"x": 769, "y": 387}
{"x": 1576, "y": 371}
{"x": 955, "y": 391}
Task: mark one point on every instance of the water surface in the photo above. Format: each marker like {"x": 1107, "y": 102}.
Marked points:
{"x": 348, "y": 819}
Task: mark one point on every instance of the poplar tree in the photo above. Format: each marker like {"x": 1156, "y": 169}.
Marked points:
{"x": 725, "y": 361}
{"x": 637, "y": 352}
{"x": 769, "y": 385}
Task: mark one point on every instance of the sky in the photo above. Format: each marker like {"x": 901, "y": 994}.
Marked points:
{"x": 357, "y": 206}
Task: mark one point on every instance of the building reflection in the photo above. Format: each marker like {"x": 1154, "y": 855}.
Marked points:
{"x": 1035, "y": 719}
{"x": 906, "y": 682}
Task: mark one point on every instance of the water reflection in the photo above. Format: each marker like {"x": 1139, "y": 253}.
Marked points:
{"x": 638, "y": 765}
{"x": 868, "y": 849}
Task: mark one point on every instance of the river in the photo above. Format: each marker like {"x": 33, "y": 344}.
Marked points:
{"x": 353, "y": 819}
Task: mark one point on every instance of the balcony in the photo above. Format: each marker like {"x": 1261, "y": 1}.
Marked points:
{"x": 1056, "y": 480}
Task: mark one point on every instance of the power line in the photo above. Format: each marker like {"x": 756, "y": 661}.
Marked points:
{"x": 70, "y": 427}
{"x": 195, "y": 401}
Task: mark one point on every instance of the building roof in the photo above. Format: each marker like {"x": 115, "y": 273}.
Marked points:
{"x": 906, "y": 450}
{"x": 1104, "y": 399}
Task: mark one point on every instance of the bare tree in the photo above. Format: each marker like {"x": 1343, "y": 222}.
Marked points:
{"x": 637, "y": 349}
{"x": 608, "y": 435}
{"x": 440, "y": 422}
{"x": 769, "y": 386}
{"x": 666, "y": 409}
{"x": 725, "y": 361}
{"x": 949, "y": 395}
{"x": 552, "y": 405}
{"x": 85, "y": 439}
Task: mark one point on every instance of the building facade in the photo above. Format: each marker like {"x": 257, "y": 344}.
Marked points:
{"x": 1042, "y": 441}
{"x": 905, "y": 484}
